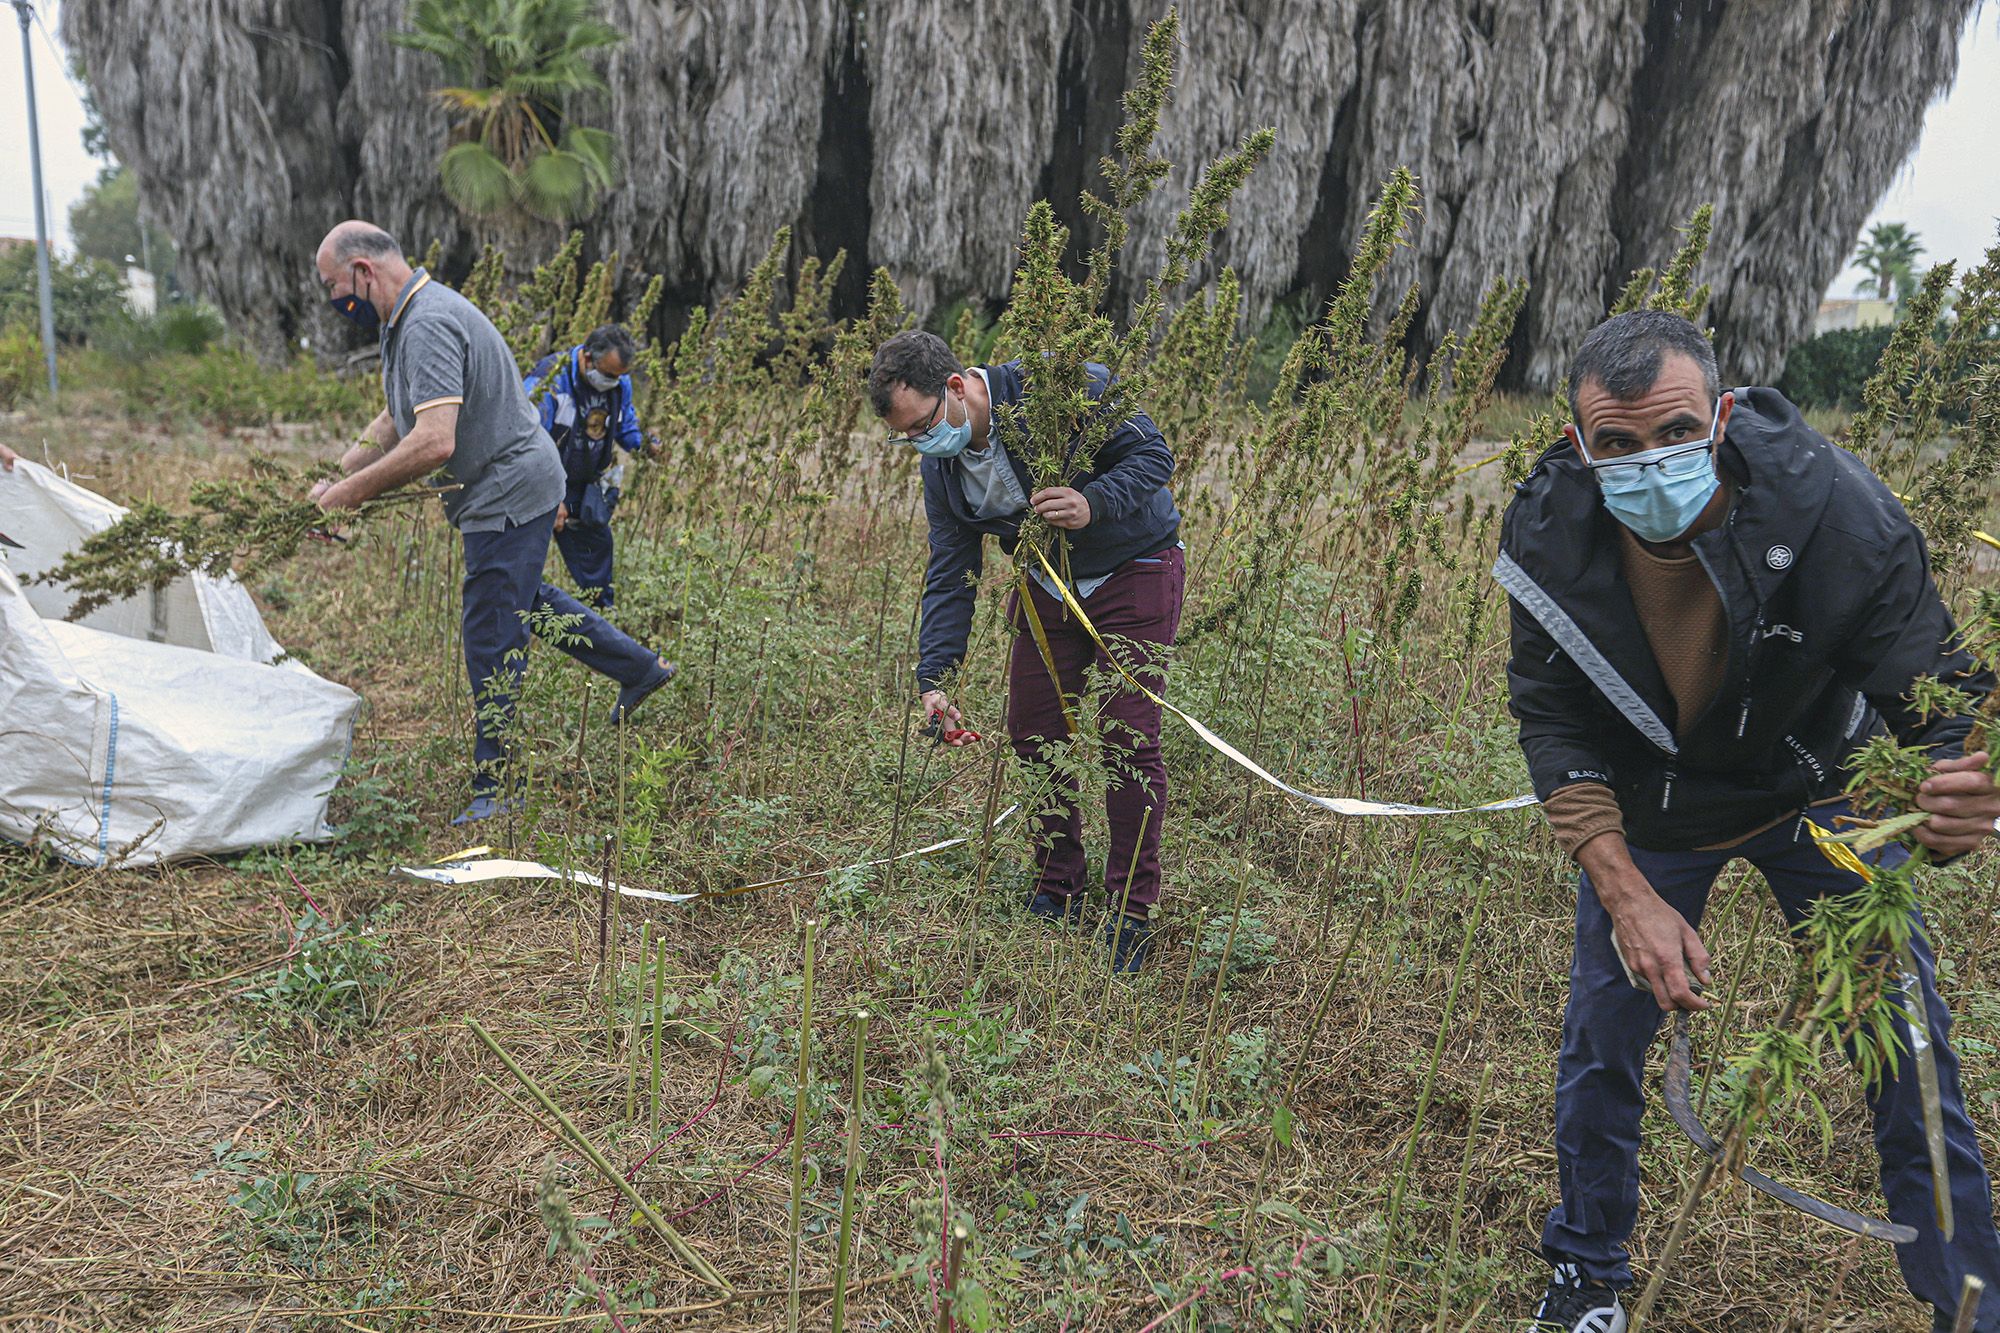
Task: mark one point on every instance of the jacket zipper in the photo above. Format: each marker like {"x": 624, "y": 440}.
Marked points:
{"x": 1667, "y": 791}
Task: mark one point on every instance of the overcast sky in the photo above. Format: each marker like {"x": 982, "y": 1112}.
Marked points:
{"x": 1948, "y": 192}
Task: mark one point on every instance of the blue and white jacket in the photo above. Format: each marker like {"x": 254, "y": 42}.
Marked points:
{"x": 584, "y": 421}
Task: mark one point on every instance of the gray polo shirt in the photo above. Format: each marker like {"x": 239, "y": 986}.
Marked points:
{"x": 438, "y": 349}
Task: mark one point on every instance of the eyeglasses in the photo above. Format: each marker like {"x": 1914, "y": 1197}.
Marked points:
{"x": 1683, "y": 460}
{"x": 905, "y": 436}
{"x": 1673, "y": 460}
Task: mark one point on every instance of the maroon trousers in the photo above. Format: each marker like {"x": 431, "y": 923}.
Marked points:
{"x": 1138, "y": 611}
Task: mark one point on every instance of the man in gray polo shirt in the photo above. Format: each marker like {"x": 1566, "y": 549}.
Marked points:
{"x": 456, "y": 406}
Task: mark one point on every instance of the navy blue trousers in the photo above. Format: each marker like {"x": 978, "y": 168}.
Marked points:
{"x": 585, "y": 542}
{"x": 504, "y": 598}
{"x": 586, "y": 553}
{"x": 1600, "y": 1094}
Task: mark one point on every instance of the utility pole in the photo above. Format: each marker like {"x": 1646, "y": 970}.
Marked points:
{"x": 41, "y": 213}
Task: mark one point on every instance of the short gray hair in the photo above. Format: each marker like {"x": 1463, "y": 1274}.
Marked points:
{"x": 1624, "y": 355}
{"x": 921, "y": 360}
{"x": 365, "y": 242}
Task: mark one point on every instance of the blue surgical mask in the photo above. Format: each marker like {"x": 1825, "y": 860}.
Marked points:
{"x": 357, "y": 311}
{"x": 1659, "y": 493}
{"x": 945, "y": 440}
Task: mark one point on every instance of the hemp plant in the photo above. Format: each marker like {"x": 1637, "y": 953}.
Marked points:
{"x": 1058, "y": 325}
{"x": 1848, "y": 983}
{"x": 232, "y": 525}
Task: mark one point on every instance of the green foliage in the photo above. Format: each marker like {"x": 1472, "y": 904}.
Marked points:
{"x": 301, "y": 1217}
{"x": 514, "y": 69}
{"x": 85, "y": 292}
{"x": 259, "y": 521}
{"x": 22, "y": 369}
{"x": 1831, "y": 369}
{"x": 1936, "y": 385}
{"x": 332, "y": 979}
{"x": 376, "y": 821}
{"x": 179, "y": 328}
{"x": 1673, "y": 289}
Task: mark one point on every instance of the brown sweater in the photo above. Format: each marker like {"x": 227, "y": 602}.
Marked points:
{"x": 1682, "y": 615}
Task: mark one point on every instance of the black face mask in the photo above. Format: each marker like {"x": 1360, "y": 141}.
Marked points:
{"x": 357, "y": 311}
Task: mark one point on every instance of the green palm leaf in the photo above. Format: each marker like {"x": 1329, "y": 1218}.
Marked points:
{"x": 557, "y": 186}
{"x": 513, "y": 69}
{"x": 476, "y": 180}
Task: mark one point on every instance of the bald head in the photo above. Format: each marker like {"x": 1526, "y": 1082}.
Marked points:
{"x": 355, "y": 238}
{"x": 360, "y": 258}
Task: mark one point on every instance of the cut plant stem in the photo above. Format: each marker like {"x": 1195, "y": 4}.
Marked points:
{"x": 659, "y": 1029}
{"x": 1458, "y": 1195}
{"x": 675, "y": 1241}
{"x": 632, "y": 1040}
{"x": 855, "y": 1097}
{"x": 1396, "y": 1191}
{"x": 798, "y": 1124}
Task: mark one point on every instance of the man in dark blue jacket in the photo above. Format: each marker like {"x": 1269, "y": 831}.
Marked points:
{"x": 1126, "y": 562}
{"x": 1712, "y": 608}
{"x": 586, "y": 409}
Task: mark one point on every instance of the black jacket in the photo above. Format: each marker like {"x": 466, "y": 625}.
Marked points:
{"x": 1831, "y": 613}
{"x": 1131, "y": 514}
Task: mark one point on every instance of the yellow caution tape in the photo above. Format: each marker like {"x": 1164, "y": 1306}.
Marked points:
{"x": 1339, "y": 805}
{"x": 1833, "y": 849}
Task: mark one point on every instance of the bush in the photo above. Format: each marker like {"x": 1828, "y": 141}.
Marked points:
{"x": 86, "y": 293}
{"x": 223, "y": 388}
{"x": 20, "y": 365}
{"x": 186, "y": 328}
{"x": 1830, "y": 370}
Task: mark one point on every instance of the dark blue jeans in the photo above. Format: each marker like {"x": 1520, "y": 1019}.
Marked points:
{"x": 585, "y": 543}
{"x": 1608, "y": 1025}
{"x": 504, "y": 597}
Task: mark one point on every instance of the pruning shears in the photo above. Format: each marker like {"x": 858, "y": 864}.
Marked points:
{"x": 941, "y": 735}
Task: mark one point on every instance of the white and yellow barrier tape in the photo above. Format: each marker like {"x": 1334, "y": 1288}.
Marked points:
{"x": 1339, "y": 805}
{"x": 469, "y": 867}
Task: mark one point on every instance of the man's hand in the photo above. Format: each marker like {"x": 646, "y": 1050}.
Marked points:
{"x": 1963, "y": 803}
{"x": 654, "y": 446}
{"x": 319, "y": 495}
{"x": 7, "y": 458}
{"x": 1660, "y": 950}
{"x": 562, "y": 514}
{"x": 937, "y": 705}
{"x": 1062, "y": 507}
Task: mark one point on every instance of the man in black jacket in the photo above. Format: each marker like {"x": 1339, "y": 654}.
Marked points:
{"x": 1712, "y": 607}
{"x": 1125, "y": 560}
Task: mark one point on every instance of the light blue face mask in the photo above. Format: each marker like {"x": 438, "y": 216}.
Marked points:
{"x": 1659, "y": 493}
{"x": 943, "y": 440}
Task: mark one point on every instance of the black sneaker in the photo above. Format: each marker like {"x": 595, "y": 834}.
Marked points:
{"x": 1056, "y": 909}
{"x": 1575, "y": 1306}
{"x": 1127, "y": 937}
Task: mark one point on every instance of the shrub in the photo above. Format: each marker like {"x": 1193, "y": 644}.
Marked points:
{"x": 20, "y": 365}
{"x": 1830, "y": 370}
{"x": 85, "y": 292}
{"x": 184, "y": 328}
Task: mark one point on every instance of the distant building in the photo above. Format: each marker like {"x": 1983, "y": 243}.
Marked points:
{"x": 141, "y": 292}
{"x": 1854, "y": 312}
{"x": 9, "y": 244}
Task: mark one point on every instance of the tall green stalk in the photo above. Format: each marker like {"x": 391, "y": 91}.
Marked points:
{"x": 856, "y": 1095}
{"x": 798, "y": 1126}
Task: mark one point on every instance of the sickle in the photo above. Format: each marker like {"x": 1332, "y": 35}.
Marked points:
{"x": 1680, "y": 1068}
